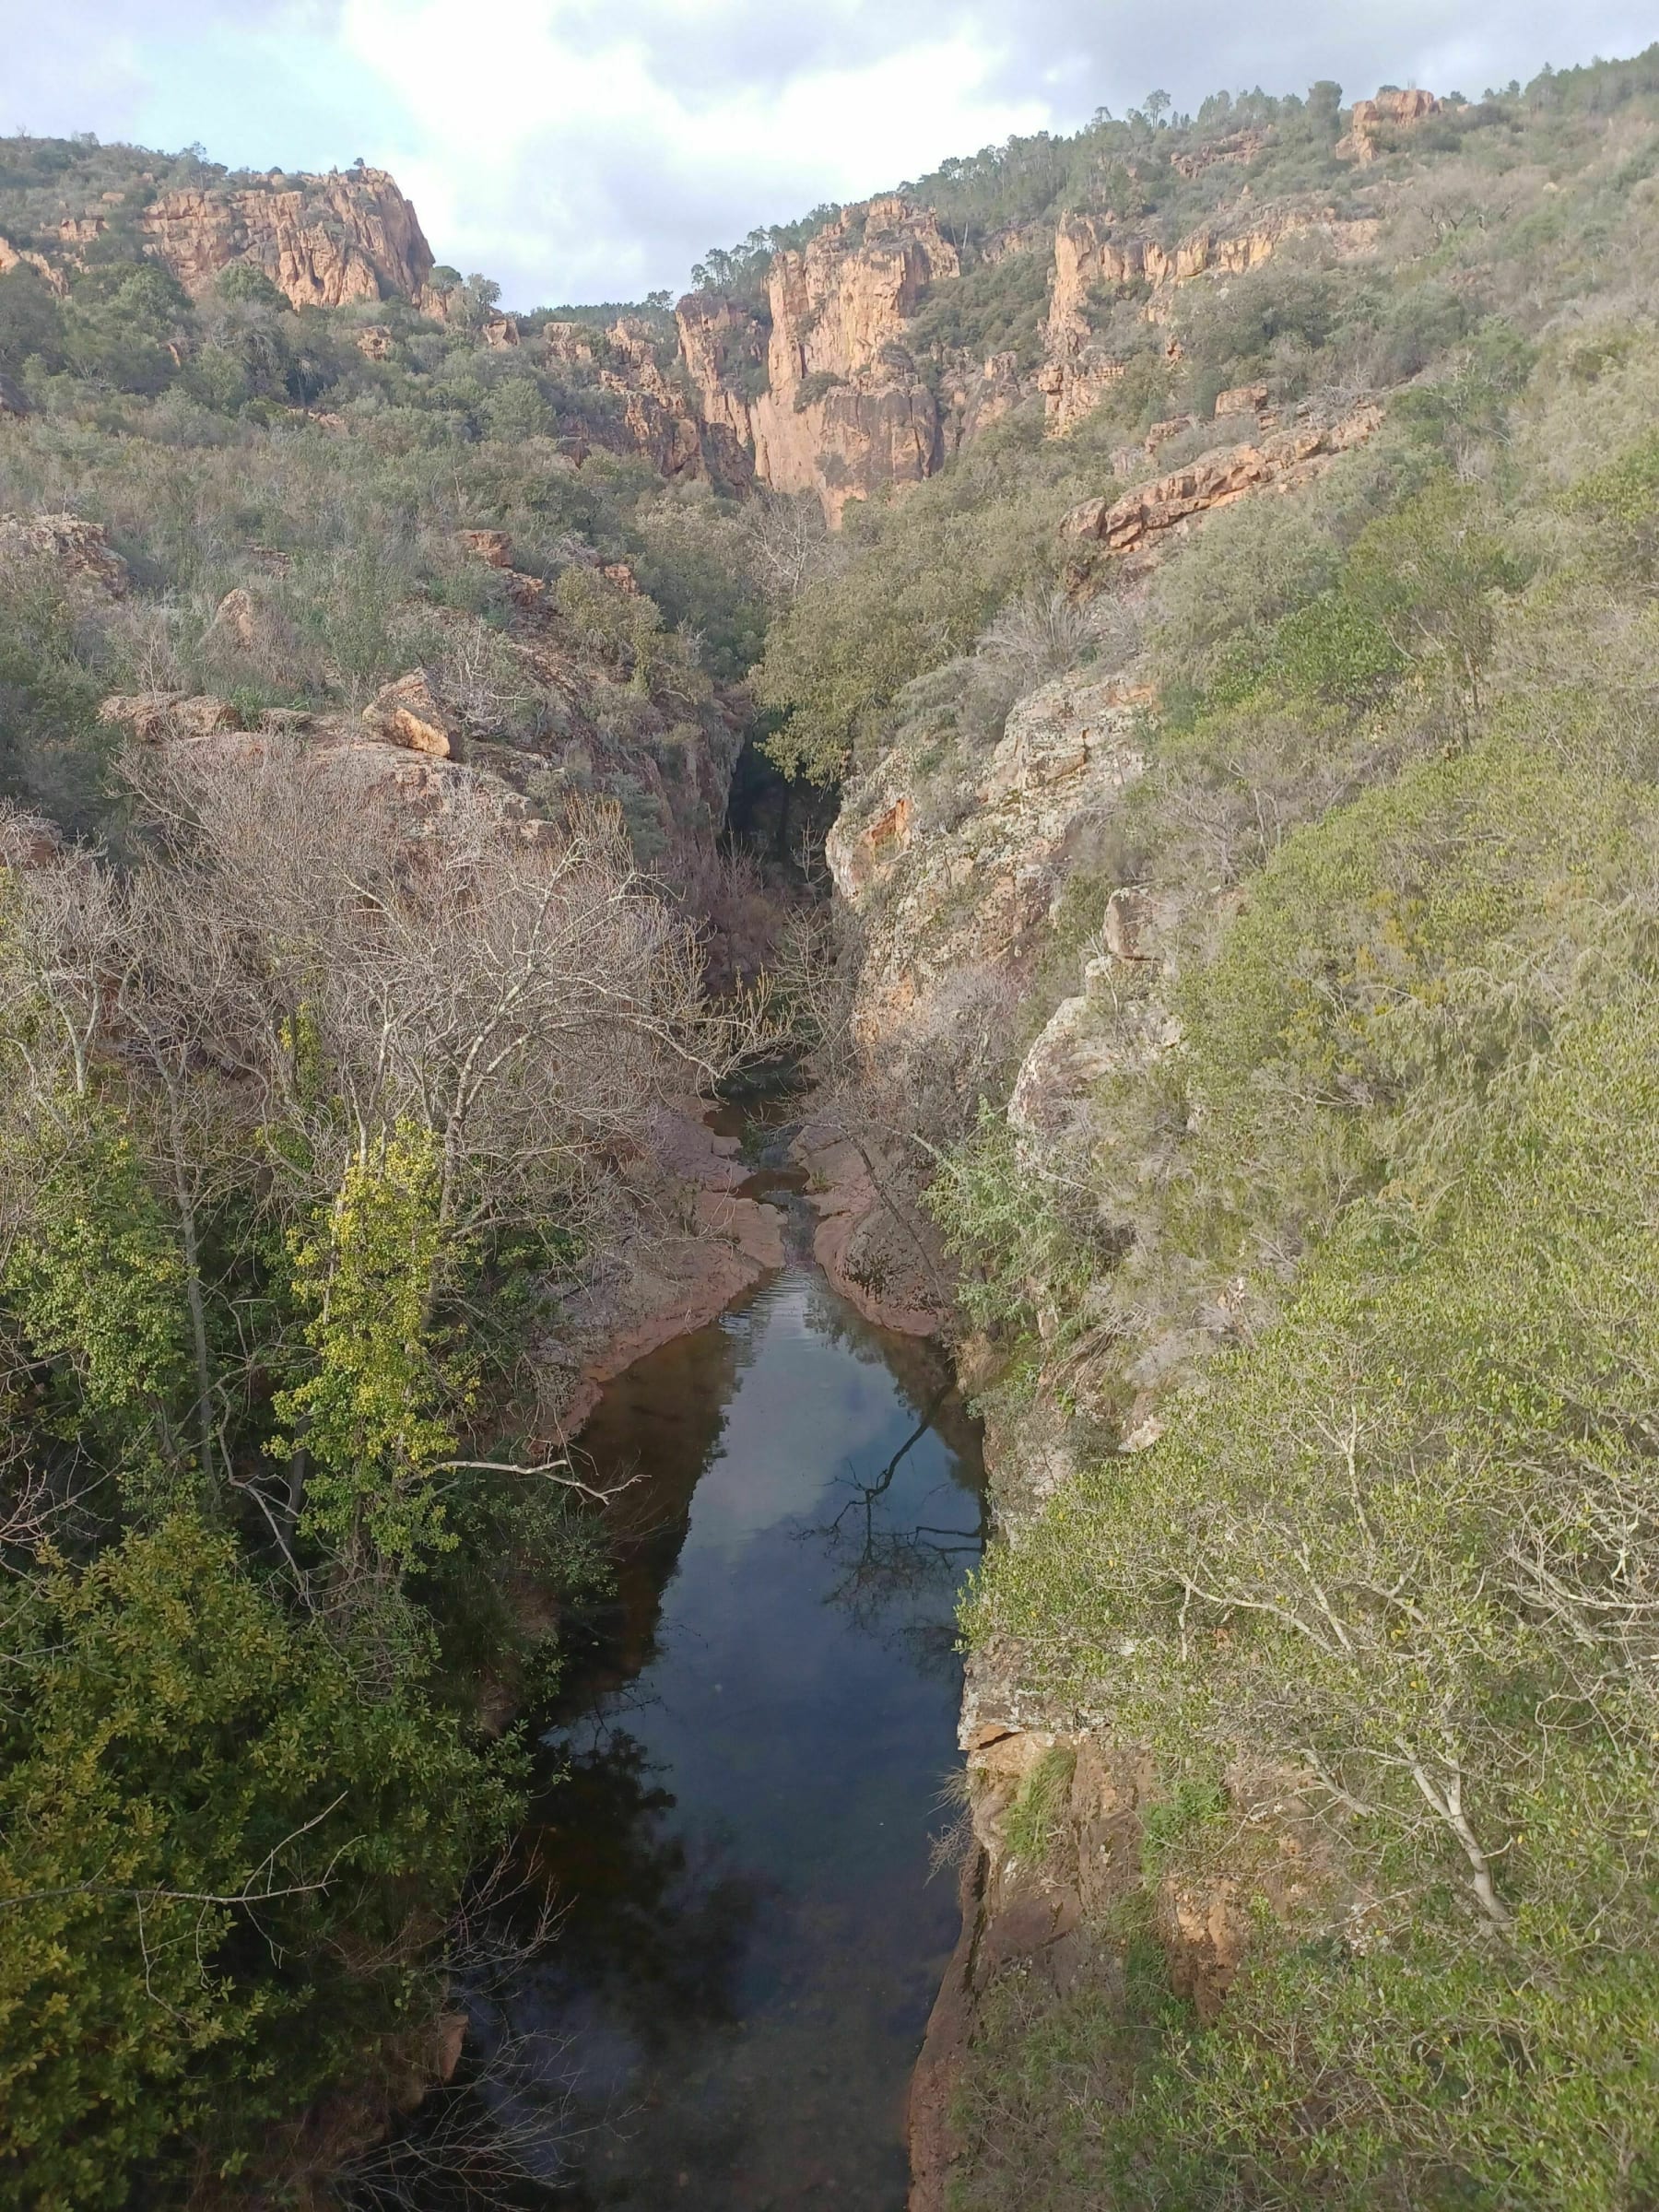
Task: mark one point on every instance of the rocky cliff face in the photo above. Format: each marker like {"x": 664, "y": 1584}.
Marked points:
{"x": 321, "y": 241}
{"x": 823, "y": 388}
{"x": 937, "y": 900}
{"x": 1373, "y": 119}
{"x": 657, "y": 420}
{"x": 1098, "y": 260}
{"x": 1282, "y": 460}
{"x": 841, "y": 409}
{"x": 972, "y": 878}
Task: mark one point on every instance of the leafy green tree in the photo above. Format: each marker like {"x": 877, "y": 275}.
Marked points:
{"x": 31, "y": 320}
{"x": 1623, "y": 499}
{"x": 516, "y": 410}
{"x": 1431, "y": 576}
{"x": 245, "y": 284}
{"x": 373, "y": 1417}
{"x": 220, "y": 1860}
{"x": 95, "y": 1286}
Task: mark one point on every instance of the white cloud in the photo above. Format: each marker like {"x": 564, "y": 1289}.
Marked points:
{"x": 574, "y": 164}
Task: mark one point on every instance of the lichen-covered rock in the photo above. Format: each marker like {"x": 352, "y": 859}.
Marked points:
{"x": 1085, "y": 1040}
{"x": 979, "y": 893}
{"x": 79, "y": 553}
{"x": 235, "y": 622}
{"x": 161, "y": 717}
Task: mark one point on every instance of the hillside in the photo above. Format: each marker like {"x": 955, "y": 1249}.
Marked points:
{"x": 1129, "y": 662}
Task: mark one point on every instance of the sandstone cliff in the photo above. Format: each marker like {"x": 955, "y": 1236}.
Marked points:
{"x": 1371, "y": 119}
{"x": 822, "y": 387}
{"x": 842, "y": 409}
{"x": 323, "y": 241}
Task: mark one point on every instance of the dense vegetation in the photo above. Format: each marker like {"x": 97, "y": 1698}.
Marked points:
{"x": 311, "y": 1130}
{"x": 1362, "y": 1268}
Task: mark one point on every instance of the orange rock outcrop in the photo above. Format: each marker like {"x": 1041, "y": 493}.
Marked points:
{"x": 1278, "y": 461}
{"x": 24, "y": 257}
{"x": 321, "y": 241}
{"x": 1096, "y": 257}
{"x": 844, "y": 410}
{"x": 1391, "y": 110}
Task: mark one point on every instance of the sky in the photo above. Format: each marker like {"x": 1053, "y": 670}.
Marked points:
{"x": 584, "y": 150}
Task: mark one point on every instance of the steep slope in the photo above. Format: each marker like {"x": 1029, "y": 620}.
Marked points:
{"x": 1294, "y": 820}
{"x": 852, "y": 370}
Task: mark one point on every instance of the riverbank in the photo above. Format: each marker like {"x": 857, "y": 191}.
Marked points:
{"x": 671, "y": 1285}
{"x": 878, "y": 1261}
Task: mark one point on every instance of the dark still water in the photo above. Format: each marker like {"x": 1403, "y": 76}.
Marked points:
{"x": 745, "y": 1769}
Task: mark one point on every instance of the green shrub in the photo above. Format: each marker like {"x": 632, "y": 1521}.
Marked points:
{"x": 218, "y": 1858}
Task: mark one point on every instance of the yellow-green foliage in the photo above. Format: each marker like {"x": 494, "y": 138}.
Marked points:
{"x": 1391, "y": 1567}
{"x": 1404, "y": 1545}
{"x": 374, "y": 1416}
{"x": 1036, "y": 1814}
{"x": 925, "y": 574}
{"x": 1010, "y": 1226}
{"x": 95, "y": 1283}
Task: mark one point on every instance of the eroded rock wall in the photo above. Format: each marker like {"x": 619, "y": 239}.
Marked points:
{"x": 323, "y": 241}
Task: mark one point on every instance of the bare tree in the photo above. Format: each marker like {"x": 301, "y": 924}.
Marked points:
{"x": 790, "y": 547}
{"x": 299, "y": 971}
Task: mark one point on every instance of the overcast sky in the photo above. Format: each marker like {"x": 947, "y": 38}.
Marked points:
{"x": 593, "y": 148}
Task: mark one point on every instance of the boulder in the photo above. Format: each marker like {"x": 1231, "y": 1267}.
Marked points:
{"x": 1242, "y": 399}
{"x": 162, "y": 717}
{"x": 79, "y": 551}
{"x": 1124, "y": 931}
{"x": 493, "y": 546}
{"x": 236, "y": 621}
{"x": 409, "y": 712}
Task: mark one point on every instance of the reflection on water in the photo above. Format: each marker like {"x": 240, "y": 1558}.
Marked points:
{"x": 744, "y": 1770}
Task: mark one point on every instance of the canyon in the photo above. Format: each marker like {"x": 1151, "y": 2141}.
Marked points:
{"x": 1203, "y": 587}
{"x": 814, "y": 382}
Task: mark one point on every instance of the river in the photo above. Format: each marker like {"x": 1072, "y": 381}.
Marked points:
{"x": 741, "y": 1778}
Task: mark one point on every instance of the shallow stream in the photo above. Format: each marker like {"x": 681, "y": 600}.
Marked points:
{"x": 747, "y": 1765}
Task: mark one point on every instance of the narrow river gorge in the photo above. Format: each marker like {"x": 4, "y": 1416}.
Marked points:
{"x": 747, "y": 1761}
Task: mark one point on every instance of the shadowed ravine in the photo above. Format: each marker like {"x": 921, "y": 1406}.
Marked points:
{"x": 744, "y": 1770}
